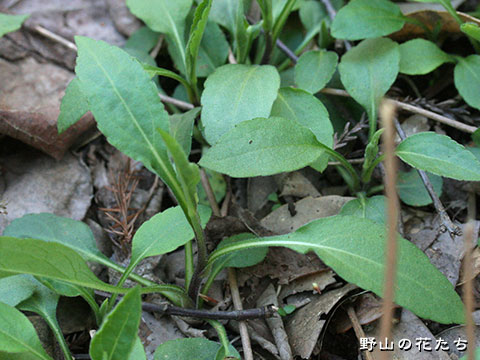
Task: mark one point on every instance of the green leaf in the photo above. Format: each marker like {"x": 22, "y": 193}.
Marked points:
{"x": 196, "y": 34}
{"x": 363, "y": 19}
{"x": 164, "y": 232}
{"x": 420, "y": 56}
{"x": 112, "y": 82}
{"x": 261, "y": 147}
{"x": 307, "y": 110}
{"x": 235, "y": 93}
{"x": 74, "y": 105}
{"x": 9, "y": 23}
{"x": 189, "y": 348}
{"x": 213, "y": 50}
{"x": 143, "y": 40}
{"x": 372, "y": 208}
{"x": 15, "y": 289}
{"x": 181, "y": 128}
{"x": 17, "y": 334}
{"x": 467, "y": 79}
{"x": 72, "y": 290}
{"x": 471, "y": 29}
{"x": 138, "y": 352}
{"x": 367, "y": 71}
{"x": 243, "y": 258}
{"x": 439, "y": 155}
{"x": 167, "y": 17}
{"x": 44, "y": 302}
{"x": 47, "y": 259}
{"x": 312, "y": 13}
{"x": 411, "y": 189}
{"x": 314, "y": 69}
{"x": 117, "y": 336}
{"x": 49, "y": 227}
{"x": 476, "y": 137}
{"x": 354, "y": 248}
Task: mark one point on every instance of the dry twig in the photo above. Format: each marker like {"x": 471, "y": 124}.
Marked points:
{"x": 387, "y": 114}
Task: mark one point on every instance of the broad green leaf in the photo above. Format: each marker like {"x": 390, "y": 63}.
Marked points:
{"x": 9, "y": 23}
{"x": 112, "y": 82}
{"x": 363, "y": 19}
{"x": 372, "y": 208}
{"x": 47, "y": 259}
{"x": 411, "y": 189}
{"x": 420, "y": 56}
{"x": 235, "y": 93}
{"x": 163, "y": 233}
{"x": 117, "y": 336}
{"x": 245, "y": 258}
{"x": 17, "y": 334}
{"x": 314, "y": 69}
{"x": 144, "y": 39}
{"x": 368, "y": 70}
{"x": 167, "y": 17}
{"x": 213, "y": 50}
{"x": 467, "y": 79}
{"x": 312, "y": 13}
{"x": 49, "y": 227}
{"x": 181, "y": 128}
{"x": 471, "y": 29}
{"x": 138, "y": 352}
{"x": 439, "y": 155}
{"x": 189, "y": 348}
{"x": 44, "y": 302}
{"x": 74, "y": 105}
{"x": 354, "y": 248}
{"x": 15, "y": 289}
{"x": 261, "y": 147}
{"x": 307, "y": 110}
{"x": 197, "y": 29}
{"x": 73, "y": 290}
{"x": 475, "y": 151}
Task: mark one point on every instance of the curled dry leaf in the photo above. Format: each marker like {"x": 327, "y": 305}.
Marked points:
{"x": 431, "y": 19}
{"x": 34, "y": 122}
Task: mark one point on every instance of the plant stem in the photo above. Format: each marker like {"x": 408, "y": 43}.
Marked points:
{"x": 194, "y": 285}
{"x": 222, "y": 335}
{"x": 387, "y": 113}
{"x": 446, "y": 221}
{"x": 337, "y": 156}
{"x": 189, "y": 267}
{"x": 53, "y": 324}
